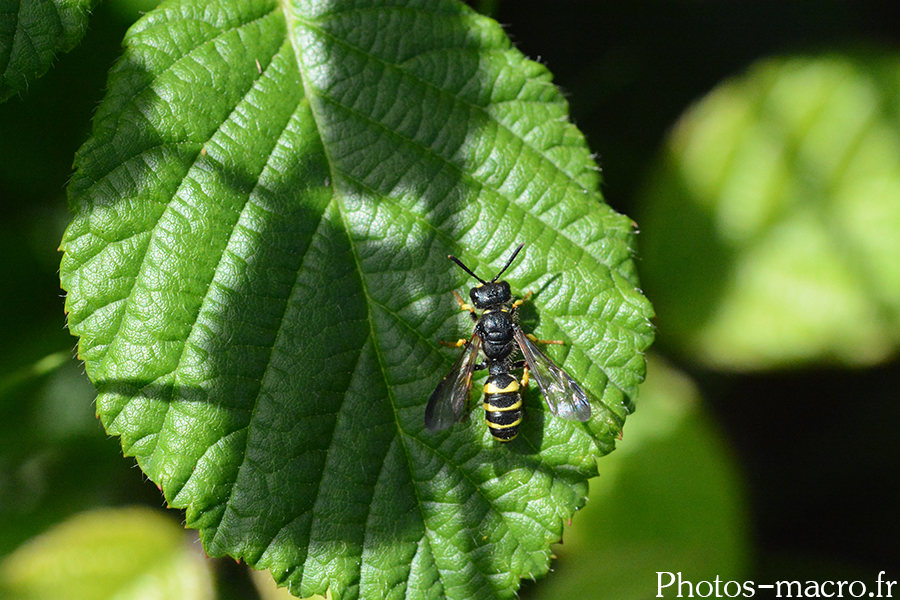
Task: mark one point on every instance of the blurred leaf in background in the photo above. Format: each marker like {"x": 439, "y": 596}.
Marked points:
{"x": 55, "y": 459}
{"x": 33, "y": 34}
{"x": 772, "y": 226}
{"x": 122, "y": 553}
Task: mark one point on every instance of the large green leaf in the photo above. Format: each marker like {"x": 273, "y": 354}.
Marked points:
{"x": 257, "y": 270}
{"x": 32, "y": 33}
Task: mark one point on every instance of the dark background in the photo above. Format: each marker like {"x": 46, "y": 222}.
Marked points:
{"x": 819, "y": 446}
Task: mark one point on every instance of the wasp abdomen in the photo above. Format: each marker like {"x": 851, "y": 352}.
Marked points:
{"x": 502, "y": 406}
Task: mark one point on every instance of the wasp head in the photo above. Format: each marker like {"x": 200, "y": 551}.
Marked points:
{"x": 493, "y": 293}
{"x": 490, "y": 294}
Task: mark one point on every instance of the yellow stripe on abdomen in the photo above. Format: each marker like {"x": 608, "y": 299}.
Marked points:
{"x": 491, "y": 388}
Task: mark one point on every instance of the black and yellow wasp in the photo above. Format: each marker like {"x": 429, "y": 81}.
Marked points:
{"x": 496, "y": 335}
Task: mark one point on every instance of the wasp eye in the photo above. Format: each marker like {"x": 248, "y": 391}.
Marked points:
{"x": 504, "y": 292}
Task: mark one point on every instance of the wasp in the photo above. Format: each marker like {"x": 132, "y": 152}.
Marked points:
{"x": 496, "y": 336}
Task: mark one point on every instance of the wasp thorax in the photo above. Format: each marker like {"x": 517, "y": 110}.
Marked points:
{"x": 492, "y": 293}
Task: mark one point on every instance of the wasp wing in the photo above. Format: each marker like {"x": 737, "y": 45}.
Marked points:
{"x": 564, "y": 396}
{"x": 447, "y": 402}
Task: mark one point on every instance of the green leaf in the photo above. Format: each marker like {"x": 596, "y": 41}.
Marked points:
{"x": 32, "y": 33}
{"x": 257, "y": 270}
{"x": 108, "y": 553}
{"x": 773, "y": 223}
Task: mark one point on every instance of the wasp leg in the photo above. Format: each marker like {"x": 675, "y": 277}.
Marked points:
{"x": 523, "y": 300}
{"x": 534, "y": 339}
{"x": 520, "y": 364}
{"x": 463, "y": 305}
{"x": 457, "y": 344}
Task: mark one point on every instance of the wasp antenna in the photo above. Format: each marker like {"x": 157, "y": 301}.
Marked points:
{"x": 509, "y": 262}
{"x": 465, "y": 268}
